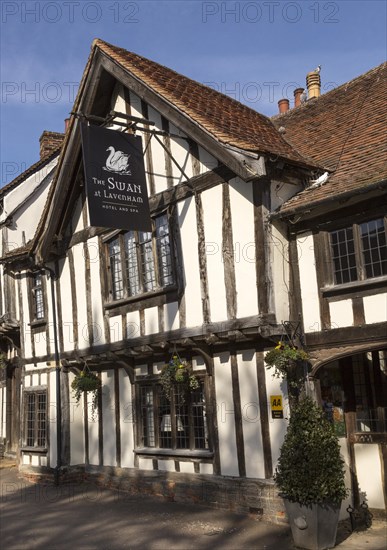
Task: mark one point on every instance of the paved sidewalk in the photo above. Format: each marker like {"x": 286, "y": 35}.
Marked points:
{"x": 85, "y": 517}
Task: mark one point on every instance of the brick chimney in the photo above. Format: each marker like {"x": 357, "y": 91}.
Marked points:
{"x": 283, "y": 106}
{"x": 313, "y": 83}
{"x": 49, "y": 141}
{"x": 297, "y": 96}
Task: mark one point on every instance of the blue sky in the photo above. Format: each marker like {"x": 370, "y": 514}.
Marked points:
{"x": 256, "y": 51}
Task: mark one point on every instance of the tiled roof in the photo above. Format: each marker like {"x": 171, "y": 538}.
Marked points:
{"x": 229, "y": 121}
{"x": 345, "y": 131}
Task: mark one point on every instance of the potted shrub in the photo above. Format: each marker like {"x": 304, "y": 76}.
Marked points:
{"x": 310, "y": 476}
{"x": 177, "y": 372}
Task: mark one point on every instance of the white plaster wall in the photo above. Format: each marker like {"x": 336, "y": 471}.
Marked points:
{"x": 166, "y": 465}
{"x": 126, "y": 420}
{"x": 186, "y": 467}
{"x": 108, "y": 419}
{"x": 213, "y": 223}
{"x": 52, "y": 409}
{"x": 40, "y": 342}
{"x": 26, "y": 318}
{"x": 242, "y": 214}
{"x": 133, "y": 324}
{"x": 180, "y": 152}
{"x": 151, "y": 320}
{"x": 96, "y": 293}
{"x": 145, "y": 463}
{"x": 93, "y": 435}
{"x": 369, "y": 474}
{"x": 251, "y": 422}
{"x": 207, "y": 161}
{"x": 281, "y": 192}
{"x": 188, "y": 232}
{"x": 79, "y": 265}
{"x": 341, "y": 313}
{"x": 171, "y": 316}
{"x": 67, "y": 304}
{"x": 277, "y": 426}
{"x": 348, "y": 501}
{"x": 115, "y": 328}
{"x": 225, "y": 415}
{"x": 77, "y": 443}
{"x": 279, "y": 258}
{"x": 206, "y": 468}
{"x": 77, "y": 218}
{"x": 308, "y": 282}
{"x": 375, "y": 308}
{"x": 158, "y": 153}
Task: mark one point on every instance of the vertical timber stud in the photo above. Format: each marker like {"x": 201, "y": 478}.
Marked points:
{"x": 148, "y": 146}
{"x": 295, "y": 302}
{"x": 117, "y": 415}
{"x": 89, "y": 303}
{"x": 100, "y": 424}
{"x": 264, "y": 414}
{"x": 202, "y": 260}
{"x": 322, "y": 278}
{"x": 261, "y": 198}
{"x": 167, "y": 143}
{"x": 73, "y": 297}
{"x": 228, "y": 255}
{"x": 238, "y": 414}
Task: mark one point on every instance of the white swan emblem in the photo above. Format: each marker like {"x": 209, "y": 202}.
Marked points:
{"x": 117, "y": 161}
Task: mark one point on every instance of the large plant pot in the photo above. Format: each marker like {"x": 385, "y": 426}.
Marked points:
{"x": 314, "y": 527}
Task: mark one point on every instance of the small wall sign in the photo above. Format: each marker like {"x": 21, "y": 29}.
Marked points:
{"x": 277, "y": 409}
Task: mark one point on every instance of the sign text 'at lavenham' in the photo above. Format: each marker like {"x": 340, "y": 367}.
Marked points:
{"x": 116, "y": 189}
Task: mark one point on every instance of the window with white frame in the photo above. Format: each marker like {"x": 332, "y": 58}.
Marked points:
{"x": 359, "y": 252}
{"x": 35, "y": 418}
{"x": 139, "y": 261}
{"x": 179, "y": 423}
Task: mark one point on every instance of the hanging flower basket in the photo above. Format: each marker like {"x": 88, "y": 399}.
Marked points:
{"x": 285, "y": 359}
{"x": 177, "y": 373}
{"x": 86, "y": 381}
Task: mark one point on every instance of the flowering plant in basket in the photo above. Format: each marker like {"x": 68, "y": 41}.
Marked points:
{"x": 86, "y": 381}
{"x": 177, "y": 372}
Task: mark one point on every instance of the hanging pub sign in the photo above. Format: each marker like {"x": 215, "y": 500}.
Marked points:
{"x": 115, "y": 179}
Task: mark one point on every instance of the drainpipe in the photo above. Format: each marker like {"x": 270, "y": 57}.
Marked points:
{"x": 53, "y": 277}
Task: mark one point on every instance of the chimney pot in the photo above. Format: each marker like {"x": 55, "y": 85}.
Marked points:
{"x": 313, "y": 83}
{"x": 283, "y": 105}
{"x": 297, "y": 96}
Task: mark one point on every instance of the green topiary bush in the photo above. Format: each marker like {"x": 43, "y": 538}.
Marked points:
{"x": 310, "y": 468}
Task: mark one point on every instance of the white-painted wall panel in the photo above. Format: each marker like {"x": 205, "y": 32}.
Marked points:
{"x": 52, "y": 411}
{"x": 96, "y": 292}
{"x": 151, "y": 320}
{"x": 171, "y": 316}
{"x": 193, "y": 301}
{"x": 3, "y": 411}
{"x": 242, "y": 215}
{"x": 26, "y": 317}
{"x": 79, "y": 263}
{"x": 341, "y": 313}
{"x": 77, "y": 218}
{"x": 225, "y": 414}
{"x": 67, "y": 305}
{"x": 77, "y": 443}
{"x": 213, "y": 222}
{"x": 277, "y": 426}
{"x": 251, "y": 421}
{"x": 308, "y": 282}
{"x": 180, "y": 152}
{"x": 93, "y": 434}
{"x": 207, "y": 161}
{"x": 133, "y": 324}
{"x": 279, "y": 259}
{"x": 158, "y": 153}
{"x": 40, "y": 343}
{"x": 115, "y": 328}
{"x": 375, "y": 308}
{"x": 108, "y": 419}
{"x": 367, "y": 458}
{"x": 126, "y": 420}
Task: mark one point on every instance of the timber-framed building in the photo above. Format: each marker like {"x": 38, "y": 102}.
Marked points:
{"x": 260, "y": 228}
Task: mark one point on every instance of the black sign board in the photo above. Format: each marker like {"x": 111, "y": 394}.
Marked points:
{"x": 115, "y": 179}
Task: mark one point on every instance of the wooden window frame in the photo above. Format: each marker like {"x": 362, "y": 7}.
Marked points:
{"x": 26, "y": 443}
{"x": 362, "y": 278}
{"x": 174, "y": 449}
{"x": 158, "y": 287}
{"x": 34, "y": 320}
